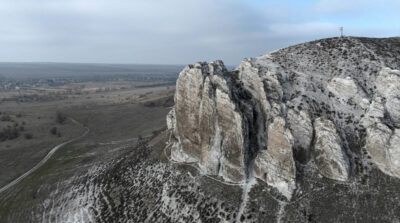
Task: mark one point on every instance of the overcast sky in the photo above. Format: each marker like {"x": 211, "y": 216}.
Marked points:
{"x": 179, "y": 31}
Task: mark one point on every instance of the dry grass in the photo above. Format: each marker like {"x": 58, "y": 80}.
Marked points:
{"x": 111, "y": 115}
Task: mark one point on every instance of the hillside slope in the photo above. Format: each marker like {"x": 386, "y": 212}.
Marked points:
{"x": 332, "y": 105}
{"x": 308, "y": 133}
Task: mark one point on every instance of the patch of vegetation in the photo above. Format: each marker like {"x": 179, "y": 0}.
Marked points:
{"x": 6, "y": 118}
{"x": 9, "y": 133}
{"x": 162, "y": 102}
{"x": 55, "y": 131}
{"x": 60, "y": 117}
{"x": 28, "y": 136}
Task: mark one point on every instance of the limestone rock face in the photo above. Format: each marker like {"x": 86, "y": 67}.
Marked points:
{"x": 382, "y": 122}
{"x": 302, "y": 130}
{"x": 208, "y": 129}
{"x": 275, "y": 165}
{"x": 330, "y": 158}
{"x": 394, "y": 153}
{"x": 320, "y": 106}
{"x": 388, "y": 87}
{"x": 171, "y": 124}
{"x": 383, "y": 145}
{"x": 378, "y": 136}
{"x": 229, "y": 138}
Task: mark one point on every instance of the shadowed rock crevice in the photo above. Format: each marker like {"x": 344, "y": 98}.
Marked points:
{"x": 253, "y": 122}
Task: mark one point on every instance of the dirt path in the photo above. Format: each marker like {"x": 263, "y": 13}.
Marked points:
{"x": 46, "y": 158}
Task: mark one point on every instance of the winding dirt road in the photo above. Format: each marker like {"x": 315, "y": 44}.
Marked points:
{"x": 46, "y": 158}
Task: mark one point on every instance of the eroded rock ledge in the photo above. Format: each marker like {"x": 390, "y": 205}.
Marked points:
{"x": 325, "y": 103}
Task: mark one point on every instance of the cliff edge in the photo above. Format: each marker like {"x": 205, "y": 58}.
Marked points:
{"x": 331, "y": 105}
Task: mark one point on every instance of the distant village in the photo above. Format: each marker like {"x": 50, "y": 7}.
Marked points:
{"x": 10, "y": 84}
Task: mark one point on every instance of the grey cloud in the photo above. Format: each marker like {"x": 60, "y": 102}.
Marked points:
{"x": 151, "y": 31}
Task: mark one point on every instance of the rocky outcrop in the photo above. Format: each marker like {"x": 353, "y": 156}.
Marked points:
{"x": 208, "y": 129}
{"x": 330, "y": 158}
{"x": 388, "y": 87}
{"x": 382, "y": 123}
{"x": 302, "y": 130}
{"x": 319, "y": 105}
{"x": 275, "y": 164}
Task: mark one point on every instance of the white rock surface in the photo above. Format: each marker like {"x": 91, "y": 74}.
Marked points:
{"x": 302, "y": 130}
{"x": 208, "y": 127}
{"x": 330, "y": 158}
{"x": 394, "y": 153}
{"x": 265, "y": 112}
{"x": 383, "y": 145}
{"x": 377, "y": 138}
{"x": 343, "y": 87}
{"x": 388, "y": 87}
{"x": 275, "y": 165}
{"x": 171, "y": 123}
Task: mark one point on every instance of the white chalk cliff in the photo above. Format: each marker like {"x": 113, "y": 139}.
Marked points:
{"x": 322, "y": 103}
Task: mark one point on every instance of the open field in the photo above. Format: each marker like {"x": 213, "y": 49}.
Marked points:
{"x": 117, "y": 120}
{"x": 116, "y": 114}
